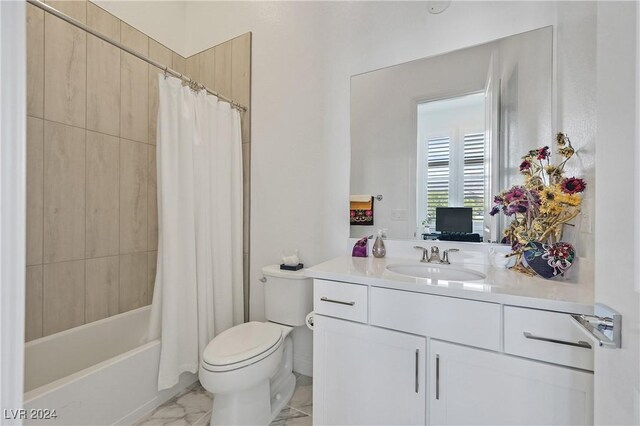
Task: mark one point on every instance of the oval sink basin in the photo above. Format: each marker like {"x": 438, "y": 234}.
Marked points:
{"x": 437, "y": 272}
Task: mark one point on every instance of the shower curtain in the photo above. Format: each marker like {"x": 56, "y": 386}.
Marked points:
{"x": 198, "y": 289}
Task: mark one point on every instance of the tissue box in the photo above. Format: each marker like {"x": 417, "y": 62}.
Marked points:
{"x": 292, "y": 268}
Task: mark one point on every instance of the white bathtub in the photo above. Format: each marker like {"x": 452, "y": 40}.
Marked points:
{"x": 100, "y": 373}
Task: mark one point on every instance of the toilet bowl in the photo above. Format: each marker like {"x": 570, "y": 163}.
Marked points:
{"x": 248, "y": 367}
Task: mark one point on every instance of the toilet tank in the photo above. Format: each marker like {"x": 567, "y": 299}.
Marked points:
{"x": 288, "y": 295}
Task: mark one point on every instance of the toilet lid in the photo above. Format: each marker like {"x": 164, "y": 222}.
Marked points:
{"x": 241, "y": 343}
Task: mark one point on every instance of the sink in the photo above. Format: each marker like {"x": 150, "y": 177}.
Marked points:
{"x": 437, "y": 272}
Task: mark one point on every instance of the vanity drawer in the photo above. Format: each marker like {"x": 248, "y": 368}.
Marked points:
{"x": 463, "y": 321}
{"x": 546, "y": 336}
{"x": 340, "y": 300}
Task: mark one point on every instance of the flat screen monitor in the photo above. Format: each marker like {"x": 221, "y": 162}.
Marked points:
{"x": 454, "y": 219}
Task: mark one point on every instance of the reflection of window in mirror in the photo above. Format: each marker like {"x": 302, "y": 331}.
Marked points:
{"x": 451, "y": 158}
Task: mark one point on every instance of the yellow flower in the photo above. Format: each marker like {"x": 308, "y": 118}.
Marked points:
{"x": 551, "y": 208}
{"x": 569, "y": 199}
{"x": 550, "y": 200}
{"x": 550, "y": 193}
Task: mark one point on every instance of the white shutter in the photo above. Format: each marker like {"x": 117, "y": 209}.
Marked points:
{"x": 474, "y": 178}
{"x": 438, "y": 159}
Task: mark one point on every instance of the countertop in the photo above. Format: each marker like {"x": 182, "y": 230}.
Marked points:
{"x": 573, "y": 294}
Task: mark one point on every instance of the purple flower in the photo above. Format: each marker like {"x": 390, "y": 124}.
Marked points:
{"x": 543, "y": 153}
{"x": 494, "y": 211}
{"x": 518, "y": 200}
{"x": 525, "y": 166}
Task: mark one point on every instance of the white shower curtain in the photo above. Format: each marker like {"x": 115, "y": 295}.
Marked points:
{"x": 198, "y": 290}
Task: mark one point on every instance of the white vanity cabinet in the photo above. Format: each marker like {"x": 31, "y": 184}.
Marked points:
{"x": 471, "y": 386}
{"x": 367, "y": 375}
{"x": 385, "y": 356}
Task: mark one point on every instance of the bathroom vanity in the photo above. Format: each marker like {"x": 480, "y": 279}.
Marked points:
{"x": 396, "y": 349}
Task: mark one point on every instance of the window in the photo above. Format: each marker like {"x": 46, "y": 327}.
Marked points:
{"x": 451, "y": 158}
{"x": 437, "y": 176}
{"x": 474, "y": 178}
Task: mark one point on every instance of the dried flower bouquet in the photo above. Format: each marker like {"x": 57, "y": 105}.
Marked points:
{"x": 543, "y": 204}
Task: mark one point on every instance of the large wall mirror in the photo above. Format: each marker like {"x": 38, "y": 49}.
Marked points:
{"x": 436, "y": 138}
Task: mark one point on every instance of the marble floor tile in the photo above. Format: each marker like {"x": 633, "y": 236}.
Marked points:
{"x": 186, "y": 408}
{"x": 192, "y": 407}
{"x": 302, "y": 380}
{"x": 290, "y": 416}
{"x": 204, "y": 420}
{"x": 302, "y": 399}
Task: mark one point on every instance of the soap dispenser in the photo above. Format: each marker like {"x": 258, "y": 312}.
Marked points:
{"x": 379, "y": 249}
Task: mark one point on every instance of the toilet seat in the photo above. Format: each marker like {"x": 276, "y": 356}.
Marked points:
{"x": 242, "y": 345}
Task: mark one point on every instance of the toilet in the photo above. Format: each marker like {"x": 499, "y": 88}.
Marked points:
{"x": 248, "y": 367}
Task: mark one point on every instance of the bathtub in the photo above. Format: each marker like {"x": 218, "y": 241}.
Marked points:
{"x": 100, "y": 373}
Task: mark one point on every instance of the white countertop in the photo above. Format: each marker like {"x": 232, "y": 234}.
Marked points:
{"x": 500, "y": 285}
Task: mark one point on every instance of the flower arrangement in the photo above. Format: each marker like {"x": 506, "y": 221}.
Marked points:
{"x": 541, "y": 206}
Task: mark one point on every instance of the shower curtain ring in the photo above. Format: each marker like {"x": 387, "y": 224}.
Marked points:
{"x": 166, "y": 72}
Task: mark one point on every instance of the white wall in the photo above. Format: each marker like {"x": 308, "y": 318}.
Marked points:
{"x": 304, "y": 54}
{"x": 13, "y": 166}
{"x": 525, "y": 100}
{"x": 617, "y": 379}
{"x": 575, "y": 107}
{"x": 164, "y": 21}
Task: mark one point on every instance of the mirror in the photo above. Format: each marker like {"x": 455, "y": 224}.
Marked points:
{"x": 437, "y": 137}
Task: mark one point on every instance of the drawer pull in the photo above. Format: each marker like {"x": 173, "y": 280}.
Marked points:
{"x": 580, "y": 343}
{"x": 437, "y": 376}
{"x": 339, "y": 302}
{"x": 417, "y": 382}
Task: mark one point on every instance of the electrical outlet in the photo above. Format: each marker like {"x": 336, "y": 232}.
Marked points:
{"x": 586, "y": 225}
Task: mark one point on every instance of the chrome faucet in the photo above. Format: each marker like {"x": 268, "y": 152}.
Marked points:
{"x": 445, "y": 256}
{"x": 435, "y": 255}
{"x": 424, "y": 253}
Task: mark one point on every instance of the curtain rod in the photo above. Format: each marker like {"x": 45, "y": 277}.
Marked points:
{"x": 166, "y": 69}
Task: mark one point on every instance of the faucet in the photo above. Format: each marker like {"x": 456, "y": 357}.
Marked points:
{"x": 435, "y": 255}
{"x": 445, "y": 255}
{"x": 424, "y": 253}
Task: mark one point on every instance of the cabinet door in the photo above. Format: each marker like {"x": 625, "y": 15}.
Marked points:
{"x": 476, "y": 387}
{"x": 364, "y": 375}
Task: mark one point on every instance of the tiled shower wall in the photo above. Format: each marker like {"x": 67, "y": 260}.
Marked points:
{"x": 92, "y": 227}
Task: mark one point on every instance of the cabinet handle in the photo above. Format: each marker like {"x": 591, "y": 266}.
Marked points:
{"x": 417, "y": 370}
{"x": 580, "y": 344}
{"x": 340, "y": 302}
{"x": 437, "y": 376}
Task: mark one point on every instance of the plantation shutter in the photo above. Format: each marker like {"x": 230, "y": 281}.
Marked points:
{"x": 438, "y": 159}
{"x": 474, "y": 177}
